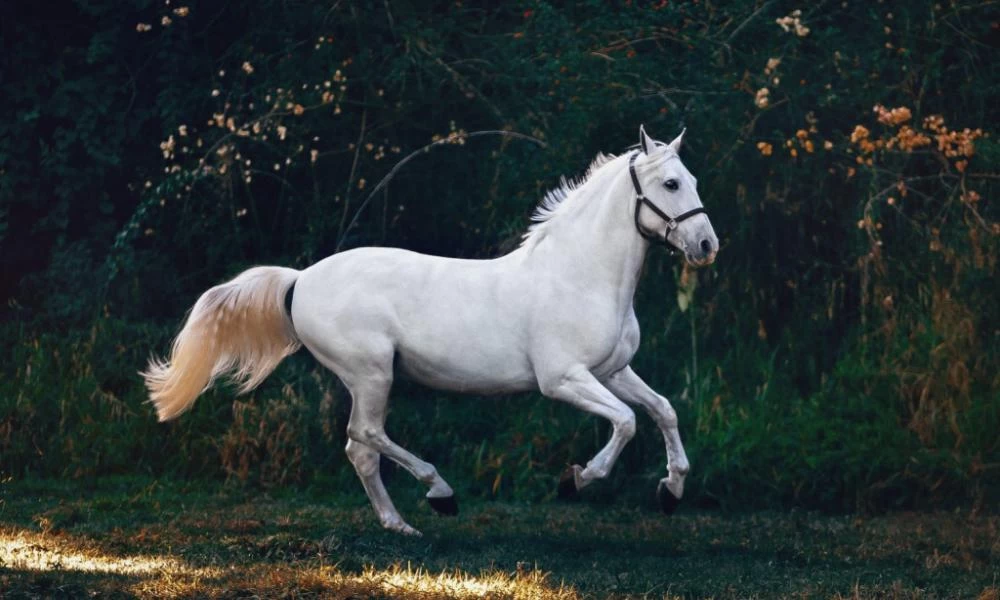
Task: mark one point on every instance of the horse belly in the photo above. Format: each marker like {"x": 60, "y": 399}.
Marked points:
{"x": 482, "y": 374}
{"x": 464, "y": 354}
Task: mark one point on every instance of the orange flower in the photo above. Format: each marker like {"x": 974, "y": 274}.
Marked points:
{"x": 895, "y": 116}
{"x": 860, "y": 133}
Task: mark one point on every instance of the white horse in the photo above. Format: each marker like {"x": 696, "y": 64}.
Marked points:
{"x": 554, "y": 315}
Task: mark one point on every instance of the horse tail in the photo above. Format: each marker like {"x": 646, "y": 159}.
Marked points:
{"x": 239, "y": 328}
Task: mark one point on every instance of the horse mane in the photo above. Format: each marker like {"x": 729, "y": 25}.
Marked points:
{"x": 555, "y": 198}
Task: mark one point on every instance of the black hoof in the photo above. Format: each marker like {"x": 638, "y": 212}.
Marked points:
{"x": 668, "y": 502}
{"x": 567, "y": 484}
{"x": 446, "y": 505}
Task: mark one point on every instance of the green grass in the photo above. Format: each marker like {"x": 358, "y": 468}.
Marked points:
{"x": 125, "y": 537}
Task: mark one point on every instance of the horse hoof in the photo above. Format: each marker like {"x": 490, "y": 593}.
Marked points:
{"x": 668, "y": 501}
{"x": 446, "y": 505}
{"x": 567, "y": 483}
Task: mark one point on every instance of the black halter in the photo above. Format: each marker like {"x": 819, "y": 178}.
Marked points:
{"x": 641, "y": 199}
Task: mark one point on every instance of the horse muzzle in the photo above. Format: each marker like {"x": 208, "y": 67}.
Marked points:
{"x": 703, "y": 254}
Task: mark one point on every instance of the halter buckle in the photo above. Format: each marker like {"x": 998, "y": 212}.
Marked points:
{"x": 671, "y": 224}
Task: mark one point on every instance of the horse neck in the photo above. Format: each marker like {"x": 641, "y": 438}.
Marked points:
{"x": 597, "y": 243}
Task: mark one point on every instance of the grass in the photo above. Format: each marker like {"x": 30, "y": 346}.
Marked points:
{"x": 125, "y": 537}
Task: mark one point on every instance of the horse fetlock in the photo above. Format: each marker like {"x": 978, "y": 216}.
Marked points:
{"x": 673, "y": 483}
{"x": 400, "y": 526}
{"x": 681, "y": 468}
{"x": 391, "y": 519}
{"x": 440, "y": 489}
{"x": 594, "y": 470}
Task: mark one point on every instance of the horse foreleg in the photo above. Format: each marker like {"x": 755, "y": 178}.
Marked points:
{"x": 581, "y": 389}
{"x": 630, "y": 387}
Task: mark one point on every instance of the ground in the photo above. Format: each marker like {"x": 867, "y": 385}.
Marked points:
{"x": 145, "y": 537}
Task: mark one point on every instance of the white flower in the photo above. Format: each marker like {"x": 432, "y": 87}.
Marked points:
{"x": 762, "y": 98}
{"x": 793, "y": 23}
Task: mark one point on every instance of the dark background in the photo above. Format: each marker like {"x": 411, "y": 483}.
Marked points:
{"x": 841, "y": 354}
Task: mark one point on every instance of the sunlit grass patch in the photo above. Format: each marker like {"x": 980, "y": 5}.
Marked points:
{"x": 395, "y": 581}
{"x": 28, "y": 551}
{"x": 65, "y": 559}
{"x": 527, "y": 584}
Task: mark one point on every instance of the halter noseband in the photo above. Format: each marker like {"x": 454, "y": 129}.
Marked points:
{"x": 641, "y": 199}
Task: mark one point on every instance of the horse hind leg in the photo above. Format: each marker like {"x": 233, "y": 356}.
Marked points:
{"x": 366, "y": 464}
{"x": 367, "y": 427}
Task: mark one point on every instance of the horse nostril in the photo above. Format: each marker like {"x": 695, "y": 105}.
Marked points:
{"x": 706, "y": 246}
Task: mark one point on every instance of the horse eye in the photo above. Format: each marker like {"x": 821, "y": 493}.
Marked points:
{"x": 671, "y": 184}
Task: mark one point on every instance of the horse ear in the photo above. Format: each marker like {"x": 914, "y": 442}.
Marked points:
{"x": 676, "y": 144}
{"x": 645, "y": 142}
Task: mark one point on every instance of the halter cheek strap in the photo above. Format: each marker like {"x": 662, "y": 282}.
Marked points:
{"x": 641, "y": 199}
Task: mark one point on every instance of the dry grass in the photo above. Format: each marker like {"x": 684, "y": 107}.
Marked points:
{"x": 68, "y": 562}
